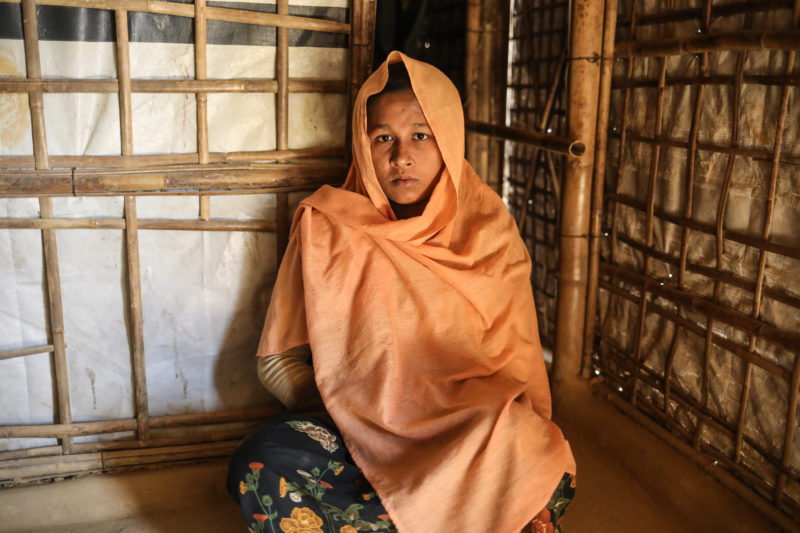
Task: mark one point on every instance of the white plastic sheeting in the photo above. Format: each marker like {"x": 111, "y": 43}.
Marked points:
{"x": 204, "y": 294}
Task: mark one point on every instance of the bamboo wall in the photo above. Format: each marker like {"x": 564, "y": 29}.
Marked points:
{"x": 698, "y": 293}
{"x": 533, "y": 176}
{"x": 197, "y": 195}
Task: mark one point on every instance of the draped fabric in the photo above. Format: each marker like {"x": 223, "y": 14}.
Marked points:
{"x": 423, "y": 334}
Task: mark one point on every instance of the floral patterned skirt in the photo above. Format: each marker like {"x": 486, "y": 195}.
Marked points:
{"x": 294, "y": 475}
{"x": 549, "y": 519}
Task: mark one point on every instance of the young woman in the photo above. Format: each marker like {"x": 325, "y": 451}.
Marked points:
{"x": 410, "y": 286}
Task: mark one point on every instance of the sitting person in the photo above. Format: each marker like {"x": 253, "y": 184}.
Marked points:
{"x": 403, "y": 312}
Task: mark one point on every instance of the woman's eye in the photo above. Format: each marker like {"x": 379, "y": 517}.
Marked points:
{"x": 421, "y": 136}
{"x": 383, "y": 138}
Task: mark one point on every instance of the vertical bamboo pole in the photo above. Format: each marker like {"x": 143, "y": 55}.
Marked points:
{"x": 282, "y": 133}
{"x": 486, "y": 64}
{"x": 584, "y": 84}
{"x": 135, "y": 303}
{"x": 362, "y": 33}
{"x": 36, "y": 102}
{"x": 476, "y": 105}
{"x": 794, "y": 385}
{"x": 124, "y": 80}
{"x": 598, "y": 180}
{"x": 201, "y": 73}
{"x": 131, "y": 232}
{"x": 30, "y": 26}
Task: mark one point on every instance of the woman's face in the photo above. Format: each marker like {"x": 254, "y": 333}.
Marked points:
{"x": 405, "y": 155}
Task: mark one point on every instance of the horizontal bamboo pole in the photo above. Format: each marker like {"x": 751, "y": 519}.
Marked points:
{"x": 210, "y": 179}
{"x": 748, "y": 240}
{"x": 152, "y": 160}
{"x": 109, "y": 85}
{"x": 213, "y": 13}
{"x": 174, "y": 437}
{"x": 33, "y": 350}
{"x": 276, "y": 155}
{"x": 724, "y": 10}
{"x": 36, "y": 183}
{"x": 780, "y": 295}
{"x": 144, "y": 224}
{"x": 30, "y": 469}
{"x": 733, "y": 41}
{"x": 39, "y": 451}
{"x": 755, "y": 153}
{"x": 118, "y": 460}
{"x": 74, "y": 429}
{"x": 217, "y": 417}
{"x": 621, "y": 82}
{"x": 89, "y": 182}
{"x": 544, "y": 141}
{"x": 785, "y": 338}
{"x": 700, "y": 331}
{"x": 99, "y": 427}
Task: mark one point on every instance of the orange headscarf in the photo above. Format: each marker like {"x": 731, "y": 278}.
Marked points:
{"x": 423, "y": 333}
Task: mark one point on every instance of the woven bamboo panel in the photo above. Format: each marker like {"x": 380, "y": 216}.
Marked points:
{"x": 69, "y": 447}
{"x": 532, "y": 176}
{"x": 699, "y": 297}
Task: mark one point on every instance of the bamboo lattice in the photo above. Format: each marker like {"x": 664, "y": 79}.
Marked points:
{"x": 698, "y": 296}
{"x": 145, "y": 439}
{"x": 533, "y": 175}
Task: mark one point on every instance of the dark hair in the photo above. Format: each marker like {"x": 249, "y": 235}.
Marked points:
{"x": 398, "y": 81}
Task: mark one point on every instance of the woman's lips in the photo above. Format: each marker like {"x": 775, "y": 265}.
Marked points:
{"x": 404, "y": 181}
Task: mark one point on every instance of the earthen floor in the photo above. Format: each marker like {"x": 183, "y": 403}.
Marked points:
{"x": 192, "y": 498}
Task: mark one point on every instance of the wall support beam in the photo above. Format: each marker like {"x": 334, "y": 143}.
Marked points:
{"x": 584, "y": 86}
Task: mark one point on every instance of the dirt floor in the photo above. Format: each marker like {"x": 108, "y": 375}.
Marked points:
{"x": 192, "y": 498}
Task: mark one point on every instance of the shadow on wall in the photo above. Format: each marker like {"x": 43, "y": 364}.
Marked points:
{"x": 235, "y": 379}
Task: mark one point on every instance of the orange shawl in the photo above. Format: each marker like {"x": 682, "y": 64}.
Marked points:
{"x": 423, "y": 333}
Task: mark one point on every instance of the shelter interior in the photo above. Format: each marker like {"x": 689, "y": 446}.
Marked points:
{"x": 151, "y": 156}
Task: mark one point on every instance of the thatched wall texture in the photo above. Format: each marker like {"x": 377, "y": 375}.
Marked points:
{"x": 699, "y": 296}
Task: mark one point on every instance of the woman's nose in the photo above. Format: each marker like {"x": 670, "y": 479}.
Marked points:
{"x": 401, "y": 155}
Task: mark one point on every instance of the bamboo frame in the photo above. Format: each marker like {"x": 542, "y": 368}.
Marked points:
{"x": 199, "y": 86}
{"x": 539, "y": 37}
{"x": 211, "y": 179}
{"x": 156, "y": 160}
{"x": 31, "y": 350}
{"x": 584, "y": 76}
{"x": 542, "y": 141}
{"x": 643, "y": 390}
{"x": 598, "y": 180}
{"x": 486, "y": 53}
{"x": 212, "y": 13}
{"x": 782, "y": 40}
{"x": 144, "y": 440}
{"x": 142, "y": 224}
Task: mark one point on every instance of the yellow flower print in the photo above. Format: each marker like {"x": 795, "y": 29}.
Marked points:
{"x": 242, "y": 487}
{"x": 348, "y": 529}
{"x": 338, "y": 470}
{"x": 282, "y": 486}
{"x": 303, "y": 520}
